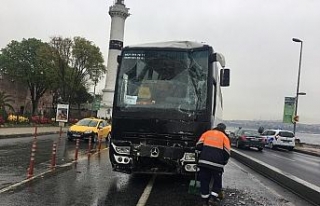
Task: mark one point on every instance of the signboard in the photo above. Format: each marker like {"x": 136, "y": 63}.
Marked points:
{"x": 96, "y": 104}
{"x": 289, "y": 107}
{"x": 62, "y": 113}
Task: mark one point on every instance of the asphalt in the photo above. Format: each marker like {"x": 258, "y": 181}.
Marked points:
{"x": 13, "y": 132}
{"x": 230, "y": 183}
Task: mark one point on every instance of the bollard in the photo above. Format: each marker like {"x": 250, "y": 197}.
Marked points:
{"x": 32, "y": 158}
{"x": 99, "y": 144}
{"x": 53, "y": 156}
{"x": 77, "y": 150}
{"x": 60, "y": 132}
{"x": 89, "y": 147}
{"x": 35, "y": 131}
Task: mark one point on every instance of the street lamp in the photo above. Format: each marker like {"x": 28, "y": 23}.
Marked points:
{"x": 298, "y": 83}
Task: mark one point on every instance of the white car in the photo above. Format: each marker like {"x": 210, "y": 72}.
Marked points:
{"x": 277, "y": 138}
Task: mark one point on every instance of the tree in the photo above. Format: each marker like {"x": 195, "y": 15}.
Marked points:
{"x": 29, "y": 62}
{"x": 5, "y": 100}
{"x": 81, "y": 96}
{"x": 78, "y": 61}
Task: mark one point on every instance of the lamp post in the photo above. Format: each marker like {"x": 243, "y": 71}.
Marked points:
{"x": 298, "y": 84}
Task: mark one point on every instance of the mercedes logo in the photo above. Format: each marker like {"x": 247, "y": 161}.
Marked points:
{"x": 154, "y": 152}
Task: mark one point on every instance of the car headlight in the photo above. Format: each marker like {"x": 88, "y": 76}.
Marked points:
{"x": 121, "y": 149}
{"x": 88, "y": 131}
{"x": 190, "y": 156}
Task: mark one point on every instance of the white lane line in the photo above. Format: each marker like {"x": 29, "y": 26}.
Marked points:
{"x": 146, "y": 193}
{"x": 14, "y": 186}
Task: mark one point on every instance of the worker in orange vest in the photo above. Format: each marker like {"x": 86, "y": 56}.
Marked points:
{"x": 215, "y": 147}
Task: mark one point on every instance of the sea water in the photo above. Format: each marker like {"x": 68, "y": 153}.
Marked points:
{"x": 309, "y": 138}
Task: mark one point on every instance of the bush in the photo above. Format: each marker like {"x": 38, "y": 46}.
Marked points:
{"x": 17, "y": 119}
{"x": 73, "y": 120}
{"x": 40, "y": 120}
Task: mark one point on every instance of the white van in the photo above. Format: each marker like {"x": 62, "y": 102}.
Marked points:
{"x": 277, "y": 138}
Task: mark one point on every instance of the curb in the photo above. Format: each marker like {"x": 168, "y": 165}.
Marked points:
{"x": 28, "y": 134}
{"x": 306, "y": 190}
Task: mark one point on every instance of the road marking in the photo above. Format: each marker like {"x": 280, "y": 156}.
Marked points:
{"x": 41, "y": 175}
{"x": 18, "y": 184}
{"x": 146, "y": 193}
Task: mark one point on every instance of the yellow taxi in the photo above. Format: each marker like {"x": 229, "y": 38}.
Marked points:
{"x": 89, "y": 127}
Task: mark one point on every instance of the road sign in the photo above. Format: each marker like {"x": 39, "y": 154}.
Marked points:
{"x": 288, "y": 112}
{"x": 96, "y": 104}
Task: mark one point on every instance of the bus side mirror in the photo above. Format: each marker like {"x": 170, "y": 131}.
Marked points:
{"x": 217, "y": 57}
{"x": 225, "y": 77}
{"x": 119, "y": 57}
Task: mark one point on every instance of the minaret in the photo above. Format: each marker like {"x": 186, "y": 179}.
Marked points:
{"x": 118, "y": 12}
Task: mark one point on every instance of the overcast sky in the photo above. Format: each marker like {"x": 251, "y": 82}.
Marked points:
{"x": 254, "y": 35}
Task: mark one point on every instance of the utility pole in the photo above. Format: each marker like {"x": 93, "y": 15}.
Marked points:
{"x": 298, "y": 86}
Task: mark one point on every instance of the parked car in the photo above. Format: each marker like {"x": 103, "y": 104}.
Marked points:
{"x": 90, "y": 127}
{"x": 277, "y": 138}
{"x": 246, "y": 138}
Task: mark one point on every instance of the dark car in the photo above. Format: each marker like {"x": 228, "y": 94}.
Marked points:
{"x": 246, "y": 138}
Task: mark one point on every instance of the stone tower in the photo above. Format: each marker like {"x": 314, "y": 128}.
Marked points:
{"x": 118, "y": 12}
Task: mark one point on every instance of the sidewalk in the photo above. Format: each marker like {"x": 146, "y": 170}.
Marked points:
{"x": 13, "y": 132}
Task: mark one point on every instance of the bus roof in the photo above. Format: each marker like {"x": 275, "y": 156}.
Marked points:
{"x": 170, "y": 45}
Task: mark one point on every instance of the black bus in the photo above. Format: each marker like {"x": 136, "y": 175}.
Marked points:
{"x": 166, "y": 95}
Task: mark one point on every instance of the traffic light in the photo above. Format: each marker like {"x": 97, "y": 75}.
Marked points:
{"x": 296, "y": 118}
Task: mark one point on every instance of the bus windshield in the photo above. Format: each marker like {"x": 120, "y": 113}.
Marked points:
{"x": 163, "y": 80}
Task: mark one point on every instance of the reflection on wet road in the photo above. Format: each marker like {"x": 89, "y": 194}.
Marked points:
{"x": 91, "y": 182}
{"x": 15, "y": 156}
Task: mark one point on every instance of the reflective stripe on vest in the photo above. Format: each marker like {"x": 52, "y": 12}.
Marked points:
{"x": 211, "y": 163}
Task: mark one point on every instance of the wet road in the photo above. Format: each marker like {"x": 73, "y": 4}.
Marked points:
{"x": 15, "y": 155}
{"x": 92, "y": 181}
{"x": 304, "y": 166}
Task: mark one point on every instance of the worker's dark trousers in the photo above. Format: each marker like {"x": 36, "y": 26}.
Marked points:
{"x": 205, "y": 176}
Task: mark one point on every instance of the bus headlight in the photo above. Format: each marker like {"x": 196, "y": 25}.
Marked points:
{"x": 121, "y": 149}
{"x": 190, "y": 156}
